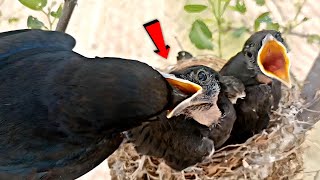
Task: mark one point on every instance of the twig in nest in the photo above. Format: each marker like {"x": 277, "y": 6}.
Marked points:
{"x": 150, "y": 162}
{"x": 303, "y": 122}
{"x": 315, "y": 171}
{"x": 310, "y": 110}
{"x": 140, "y": 167}
{"x": 315, "y": 100}
{"x": 286, "y": 154}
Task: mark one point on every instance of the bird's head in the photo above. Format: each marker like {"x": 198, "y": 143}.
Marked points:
{"x": 204, "y": 101}
{"x": 266, "y": 53}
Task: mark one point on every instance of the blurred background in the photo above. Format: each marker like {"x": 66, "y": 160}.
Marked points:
{"x": 115, "y": 28}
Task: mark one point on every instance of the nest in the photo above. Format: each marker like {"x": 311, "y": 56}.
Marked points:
{"x": 275, "y": 153}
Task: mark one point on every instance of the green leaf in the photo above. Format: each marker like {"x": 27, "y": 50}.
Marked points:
{"x": 313, "y": 38}
{"x": 34, "y": 23}
{"x": 239, "y": 31}
{"x": 34, "y": 4}
{"x": 239, "y": 7}
{"x": 262, "y": 18}
{"x": 57, "y": 14}
{"x": 13, "y": 20}
{"x": 195, "y": 8}
{"x": 273, "y": 26}
{"x": 260, "y": 2}
{"x": 200, "y": 35}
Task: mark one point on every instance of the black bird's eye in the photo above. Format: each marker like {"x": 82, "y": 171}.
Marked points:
{"x": 202, "y": 76}
{"x": 249, "y": 54}
{"x": 278, "y": 36}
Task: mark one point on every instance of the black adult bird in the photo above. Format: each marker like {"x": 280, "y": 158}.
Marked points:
{"x": 182, "y": 141}
{"x": 262, "y": 66}
{"x": 61, "y": 113}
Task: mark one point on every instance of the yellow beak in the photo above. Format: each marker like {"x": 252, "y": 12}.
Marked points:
{"x": 273, "y": 60}
{"x": 183, "y": 85}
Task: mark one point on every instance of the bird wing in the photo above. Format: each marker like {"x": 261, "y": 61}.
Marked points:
{"x": 221, "y": 132}
{"x": 9, "y": 33}
{"x": 104, "y": 93}
{"x": 179, "y": 141}
{"x": 252, "y": 113}
{"x": 33, "y": 140}
{"x": 14, "y": 42}
{"x": 61, "y": 113}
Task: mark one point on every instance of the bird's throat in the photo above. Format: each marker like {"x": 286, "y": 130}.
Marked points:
{"x": 207, "y": 115}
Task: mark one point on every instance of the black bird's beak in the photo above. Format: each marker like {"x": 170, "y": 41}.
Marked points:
{"x": 273, "y": 61}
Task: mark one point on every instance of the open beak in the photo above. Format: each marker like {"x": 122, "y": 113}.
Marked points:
{"x": 199, "y": 105}
{"x": 273, "y": 60}
{"x": 183, "y": 85}
{"x": 186, "y": 87}
{"x": 183, "y": 92}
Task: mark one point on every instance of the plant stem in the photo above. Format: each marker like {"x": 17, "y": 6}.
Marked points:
{"x": 218, "y": 13}
{"x": 293, "y": 23}
{"x": 213, "y": 9}
{"x": 226, "y": 4}
{"x": 66, "y": 15}
{"x": 49, "y": 19}
{"x": 219, "y": 37}
{"x": 299, "y": 9}
{"x": 219, "y": 8}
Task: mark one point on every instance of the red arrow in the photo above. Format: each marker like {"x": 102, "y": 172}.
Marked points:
{"x": 154, "y": 30}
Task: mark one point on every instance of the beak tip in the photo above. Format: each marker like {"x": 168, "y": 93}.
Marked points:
{"x": 289, "y": 85}
{"x": 169, "y": 115}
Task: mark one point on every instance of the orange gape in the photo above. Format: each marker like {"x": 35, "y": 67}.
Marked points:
{"x": 184, "y": 87}
{"x": 274, "y": 62}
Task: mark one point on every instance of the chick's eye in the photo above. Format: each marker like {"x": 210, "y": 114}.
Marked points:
{"x": 278, "y": 36}
{"x": 249, "y": 54}
{"x": 202, "y": 76}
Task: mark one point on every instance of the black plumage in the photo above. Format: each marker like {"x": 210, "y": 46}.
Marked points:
{"x": 61, "y": 113}
{"x": 181, "y": 141}
{"x": 261, "y": 65}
